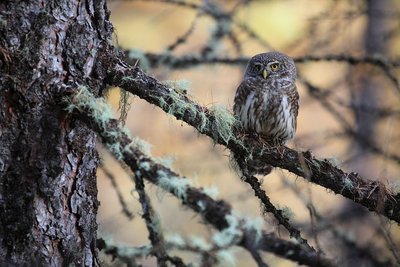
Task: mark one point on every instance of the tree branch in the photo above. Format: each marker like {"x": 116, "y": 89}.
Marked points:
{"x": 371, "y": 194}
{"x": 152, "y": 222}
{"x": 269, "y": 207}
{"x": 121, "y": 200}
{"x": 217, "y": 213}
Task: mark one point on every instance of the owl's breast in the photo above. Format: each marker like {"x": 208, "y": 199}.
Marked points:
{"x": 268, "y": 114}
{"x": 251, "y": 110}
{"x": 245, "y": 111}
{"x": 280, "y": 122}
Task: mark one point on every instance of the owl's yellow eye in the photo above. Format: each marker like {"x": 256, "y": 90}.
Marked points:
{"x": 274, "y": 66}
{"x": 258, "y": 67}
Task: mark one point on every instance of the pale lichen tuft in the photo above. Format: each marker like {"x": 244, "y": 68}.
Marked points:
{"x": 173, "y": 184}
{"x": 223, "y": 123}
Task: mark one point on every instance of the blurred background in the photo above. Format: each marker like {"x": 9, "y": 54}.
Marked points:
{"x": 349, "y": 113}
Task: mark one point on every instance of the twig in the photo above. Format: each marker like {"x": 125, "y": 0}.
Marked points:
{"x": 152, "y": 222}
{"x": 269, "y": 207}
{"x": 183, "y": 38}
{"x": 121, "y": 200}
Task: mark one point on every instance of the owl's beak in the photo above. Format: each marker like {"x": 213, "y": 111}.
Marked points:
{"x": 265, "y": 73}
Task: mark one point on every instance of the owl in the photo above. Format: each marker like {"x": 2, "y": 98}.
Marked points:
{"x": 267, "y": 101}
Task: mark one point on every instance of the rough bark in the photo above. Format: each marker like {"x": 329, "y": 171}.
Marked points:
{"x": 48, "y": 194}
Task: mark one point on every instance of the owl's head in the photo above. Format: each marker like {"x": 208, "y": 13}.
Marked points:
{"x": 271, "y": 65}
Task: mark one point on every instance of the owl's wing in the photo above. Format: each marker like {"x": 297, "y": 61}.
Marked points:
{"x": 294, "y": 103}
{"x": 242, "y": 92}
{"x": 245, "y": 88}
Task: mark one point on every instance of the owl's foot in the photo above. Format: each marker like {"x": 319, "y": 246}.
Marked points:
{"x": 264, "y": 141}
{"x": 253, "y": 136}
{"x": 268, "y": 143}
{"x": 274, "y": 144}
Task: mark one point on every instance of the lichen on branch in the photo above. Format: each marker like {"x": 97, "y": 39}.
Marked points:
{"x": 371, "y": 194}
{"x": 233, "y": 229}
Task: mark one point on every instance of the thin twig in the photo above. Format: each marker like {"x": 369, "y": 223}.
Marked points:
{"x": 269, "y": 207}
{"x": 114, "y": 184}
{"x": 152, "y": 222}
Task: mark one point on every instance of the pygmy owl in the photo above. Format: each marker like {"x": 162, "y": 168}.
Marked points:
{"x": 267, "y": 101}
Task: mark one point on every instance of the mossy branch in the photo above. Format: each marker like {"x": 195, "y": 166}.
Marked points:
{"x": 233, "y": 229}
{"x": 152, "y": 222}
{"x": 371, "y": 194}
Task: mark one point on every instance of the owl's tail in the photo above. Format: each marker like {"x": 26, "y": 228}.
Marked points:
{"x": 249, "y": 166}
{"x": 258, "y": 167}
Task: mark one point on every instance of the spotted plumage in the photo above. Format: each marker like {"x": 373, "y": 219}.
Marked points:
{"x": 266, "y": 101}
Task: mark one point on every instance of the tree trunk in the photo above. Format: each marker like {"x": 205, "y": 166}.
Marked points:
{"x": 48, "y": 160}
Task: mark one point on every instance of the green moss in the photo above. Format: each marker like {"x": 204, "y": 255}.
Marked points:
{"x": 101, "y": 112}
{"x": 142, "y": 145}
{"x": 134, "y": 252}
{"x": 131, "y": 252}
{"x": 348, "y": 183}
{"x": 254, "y": 225}
{"x": 84, "y": 100}
{"x": 155, "y": 225}
{"x": 145, "y": 166}
{"x": 226, "y": 258}
{"x": 200, "y": 243}
{"x": 3, "y": 22}
{"x": 203, "y": 121}
{"x": 287, "y": 213}
{"x": 211, "y": 191}
{"x": 223, "y": 124}
{"x": 180, "y": 86}
{"x": 173, "y": 184}
{"x": 229, "y": 235}
{"x": 166, "y": 161}
{"x": 115, "y": 149}
{"x": 179, "y": 105}
{"x": 162, "y": 103}
{"x": 124, "y": 105}
{"x": 176, "y": 240}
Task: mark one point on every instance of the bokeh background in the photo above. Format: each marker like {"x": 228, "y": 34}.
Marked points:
{"x": 343, "y": 101}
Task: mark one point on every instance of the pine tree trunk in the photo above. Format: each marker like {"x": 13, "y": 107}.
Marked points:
{"x": 48, "y": 160}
